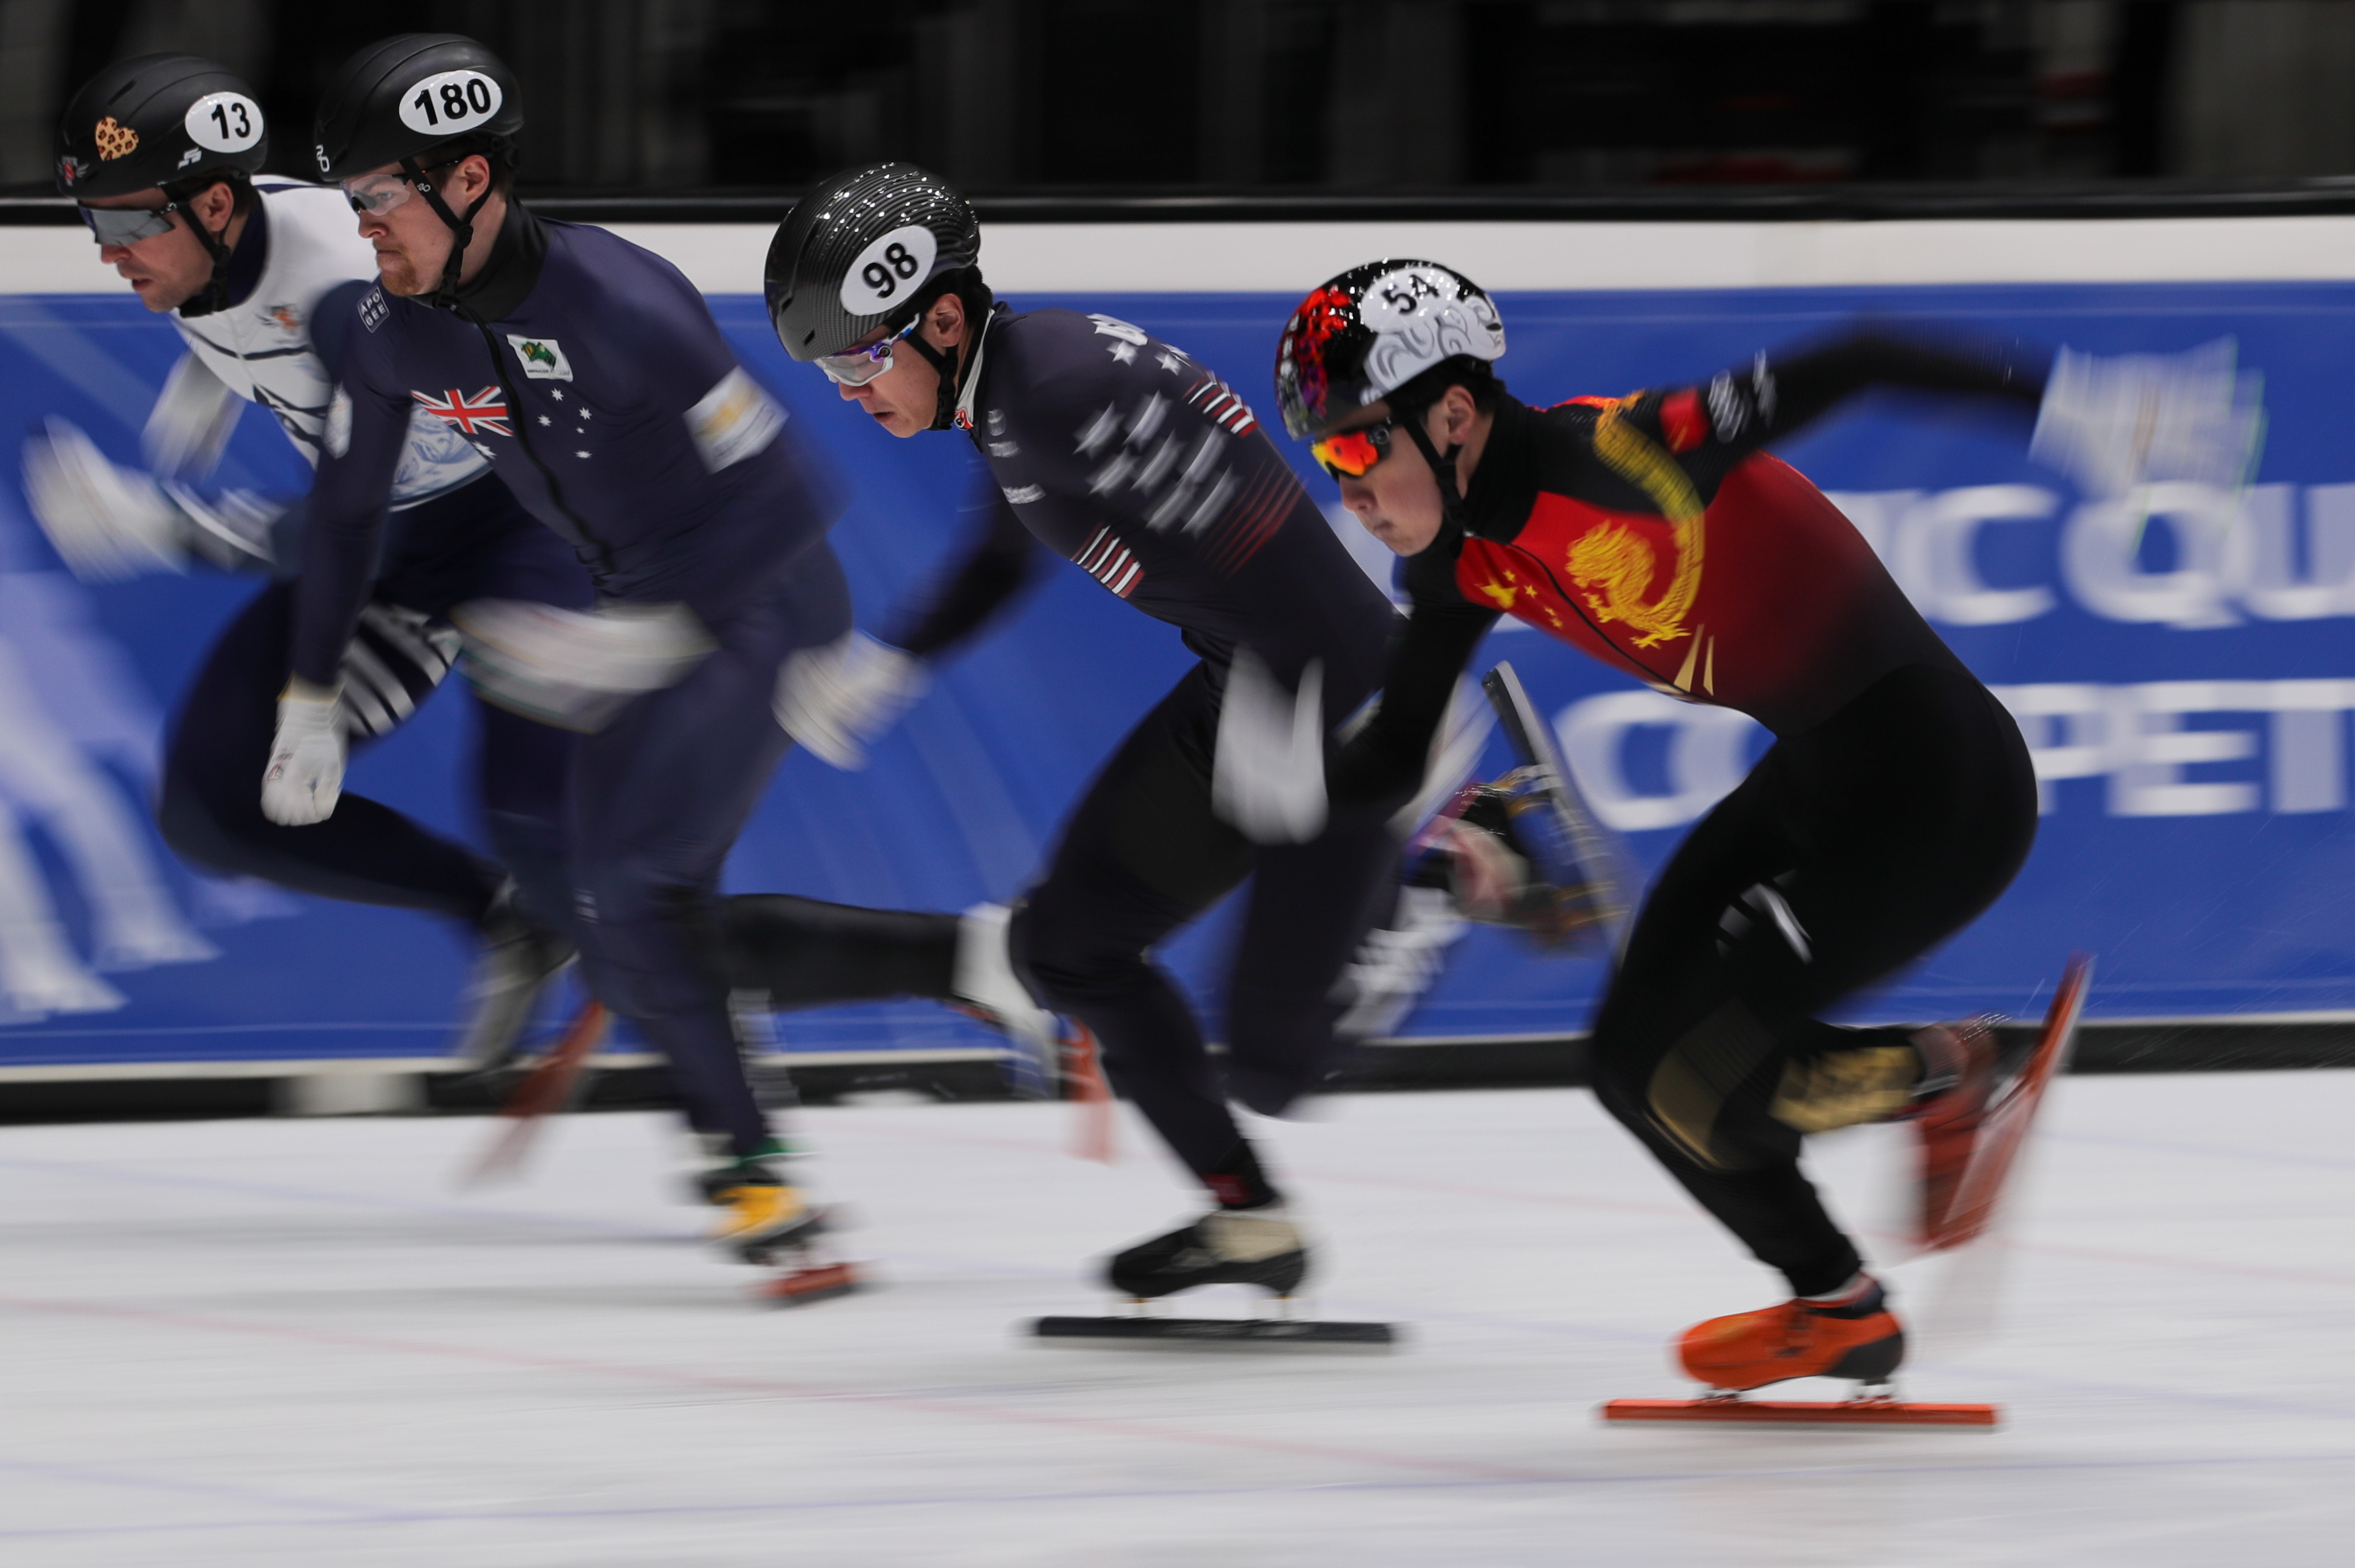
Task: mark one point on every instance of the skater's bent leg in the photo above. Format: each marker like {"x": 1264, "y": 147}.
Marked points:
{"x": 1143, "y": 855}
{"x": 209, "y": 805}
{"x": 659, "y": 797}
{"x": 1848, "y": 852}
{"x": 807, "y": 952}
{"x": 524, "y": 777}
{"x": 1311, "y": 908}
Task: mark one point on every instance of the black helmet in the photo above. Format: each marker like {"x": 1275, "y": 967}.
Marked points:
{"x": 173, "y": 122}
{"x": 1362, "y": 335}
{"x": 857, "y": 254}
{"x": 420, "y": 101}
{"x": 872, "y": 247}
{"x": 157, "y": 122}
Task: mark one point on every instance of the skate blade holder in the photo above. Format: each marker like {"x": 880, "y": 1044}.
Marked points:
{"x": 1872, "y": 1406}
{"x": 1141, "y": 1328}
{"x": 816, "y": 1282}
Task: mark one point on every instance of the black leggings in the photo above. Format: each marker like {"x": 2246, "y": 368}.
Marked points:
{"x": 210, "y": 805}
{"x": 1849, "y": 851}
{"x": 1143, "y": 855}
{"x": 1146, "y": 854}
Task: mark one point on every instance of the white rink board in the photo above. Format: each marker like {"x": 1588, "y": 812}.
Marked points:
{"x": 261, "y": 1343}
{"x": 1293, "y": 258}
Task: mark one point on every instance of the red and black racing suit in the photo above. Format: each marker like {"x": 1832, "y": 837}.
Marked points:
{"x": 1897, "y": 802}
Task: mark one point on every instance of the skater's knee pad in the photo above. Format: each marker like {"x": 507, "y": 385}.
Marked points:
{"x": 201, "y": 832}
{"x": 1063, "y": 950}
{"x": 649, "y": 952}
{"x": 1699, "y": 1077}
{"x": 1279, "y": 1047}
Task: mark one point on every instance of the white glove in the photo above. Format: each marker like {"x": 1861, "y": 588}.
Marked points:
{"x": 305, "y": 776}
{"x": 107, "y": 522}
{"x": 836, "y": 699}
{"x": 1268, "y": 776}
{"x": 2117, "y": 423}
{"x": 575, "y": 668}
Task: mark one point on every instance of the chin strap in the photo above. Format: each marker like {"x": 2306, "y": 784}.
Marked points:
{"x": 214, "y": 295}
{"x": 953, "y": 373}
{"x": 1443, "y": 468}
{"x": 461, "y": 230}
{"x": 946, "y": 362}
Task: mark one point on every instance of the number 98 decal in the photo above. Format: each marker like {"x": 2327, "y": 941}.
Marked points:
{"x": 224, "y": 121}
{"x": 453, "y": 102}
{"x": 887, "y": 269}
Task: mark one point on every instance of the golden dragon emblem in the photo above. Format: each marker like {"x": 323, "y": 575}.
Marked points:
{"x": 1614, "y": 566}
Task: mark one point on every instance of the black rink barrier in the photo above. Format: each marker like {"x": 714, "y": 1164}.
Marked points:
{"x": 1551, "y": 1062}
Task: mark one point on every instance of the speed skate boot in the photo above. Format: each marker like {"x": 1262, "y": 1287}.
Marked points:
{"x": 763, "y": 1215}
{"x": 1226, "y": 1247}
{"x": 984, "y": 983}
{"x": 1961, "y": 1064}
{"x": 513, "y": 966}
{"x": 1850, "y": 1335}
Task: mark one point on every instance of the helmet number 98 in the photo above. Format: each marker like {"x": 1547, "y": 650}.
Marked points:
{"x": 889, "y": 267}
{"x": 885, "y": 276}
{"x": 453, "y": 102}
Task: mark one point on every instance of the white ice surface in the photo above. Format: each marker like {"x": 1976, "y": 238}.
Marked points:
{"x": 290, "y": 1342}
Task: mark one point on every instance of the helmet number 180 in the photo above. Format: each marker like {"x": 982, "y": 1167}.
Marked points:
{"x": 889, "y": 267}
{"x": 453, "y": 102}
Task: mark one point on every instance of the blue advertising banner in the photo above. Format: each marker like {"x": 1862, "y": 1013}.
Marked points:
{"x": 2185, "y": 687}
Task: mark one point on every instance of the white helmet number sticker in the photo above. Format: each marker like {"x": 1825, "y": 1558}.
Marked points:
{"x": 224, "y": 121}
{"x": 453, "y": 102}
{"x": 887, "y": 269}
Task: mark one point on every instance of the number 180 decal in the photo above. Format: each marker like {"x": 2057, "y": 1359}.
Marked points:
{"x": 887, "y": 269}
{"x": 453, "y": 102}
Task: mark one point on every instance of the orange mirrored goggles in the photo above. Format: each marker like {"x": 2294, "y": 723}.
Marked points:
{"x": 1349, "y": 453}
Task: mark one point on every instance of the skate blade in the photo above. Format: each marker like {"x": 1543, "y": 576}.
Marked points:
{"x": 547, "y": 1089}
{"x": 1221, "y": 1333}
{"x": 1802, "y": 1413}
{"x": 1970, "y": 1206}
{"x": 800, "y": 1286}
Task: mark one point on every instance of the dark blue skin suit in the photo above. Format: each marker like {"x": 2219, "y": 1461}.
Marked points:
{"x": 590, "y": 374}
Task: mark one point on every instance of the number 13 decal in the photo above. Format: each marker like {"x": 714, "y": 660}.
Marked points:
{"x": 223, "y": 122}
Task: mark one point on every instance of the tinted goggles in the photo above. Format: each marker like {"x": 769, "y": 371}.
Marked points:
{"x": 1349, "y": 453}
{"x": 128, "y": 225}
{"x": 857, "y": 367}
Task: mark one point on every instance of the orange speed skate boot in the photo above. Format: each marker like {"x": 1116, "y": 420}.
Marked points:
{"x": 1960, "y": 1066}
{"x": 1855, "y": 1336}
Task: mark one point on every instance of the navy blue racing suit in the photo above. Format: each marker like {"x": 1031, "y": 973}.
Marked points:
{"x": 454, "y": 534}
{"x": 591, "y": 375}
{"x": 1117, "y": 451}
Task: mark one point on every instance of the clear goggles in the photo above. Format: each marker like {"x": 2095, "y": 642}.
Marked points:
{"x": 1351, "y": 453}
{"x": 857, "y": 367}
{"x": 128, "y": 225}
{"x": 373, "y": 195}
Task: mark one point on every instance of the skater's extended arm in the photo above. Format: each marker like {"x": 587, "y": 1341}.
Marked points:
{"x": 1710, "y": 427}
{"x": 1002, "y": 560}
{"x": 1381, "y": 766}
{"x": 367, "y": 431}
